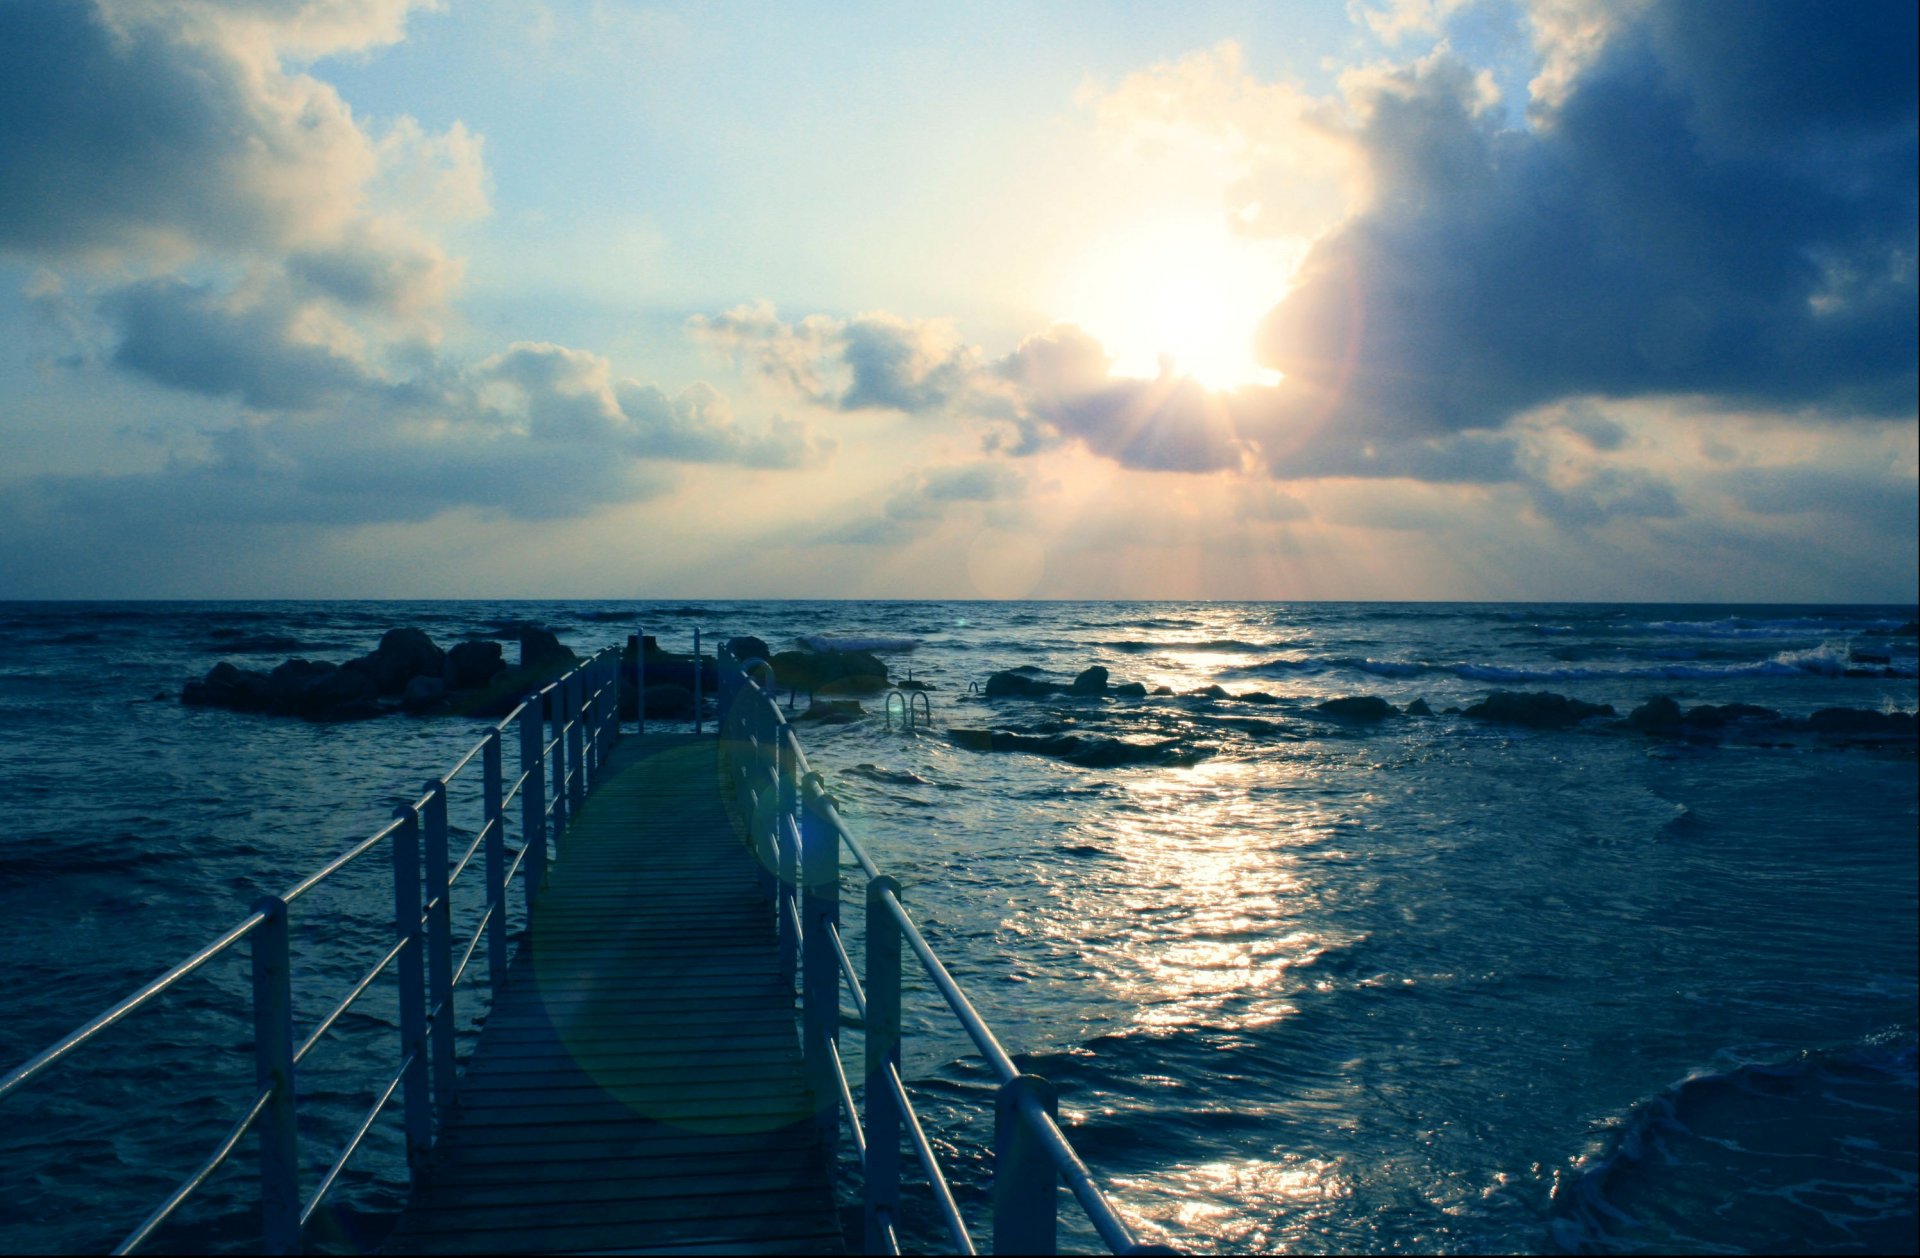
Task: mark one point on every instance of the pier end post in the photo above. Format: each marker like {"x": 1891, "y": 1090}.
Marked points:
{"x": 1025, "y": 1183}
{"x": 273, "y": 1072}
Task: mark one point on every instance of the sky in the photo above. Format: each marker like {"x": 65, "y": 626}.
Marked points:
{"x": 1349, "y": 299}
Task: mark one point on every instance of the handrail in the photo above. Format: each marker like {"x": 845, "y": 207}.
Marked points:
{"x": 586, "y": 718}
{"x": 1032, "y": 1154}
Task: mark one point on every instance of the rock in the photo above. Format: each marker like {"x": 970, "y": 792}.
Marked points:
{"x": 424, "y": 694}
{"x": 1092, "y": 681}
{"x": 540, "y": 650}
{"x": 1708, "y": 716}
{"x": 911, "y": 684}
{"x": 340, "y": 694}
{"x": 402, "y": 655}
{"x": 1909, "y": 630}
{"x": 1260, "y": 697}
{"x": 1658, "y": 715}
{"x": 833, "y": 711}
{"x": 1086, "y": 750}
{"x": 1539, "y": 711}
{"x": 1130, "y": 690}
{"x": 1860, "y": 722}
{"x": 1418, "y": 708}
{"x": 668, "y": 700}
{"x": 748, "y": 647}
{"x": 830, "y": 672}
{"x": 1018, "y": 685}
{"x": 473, "y": 663}
{"x": 1163, "y": 690}
{"x": 1357, "y": 708}
{"x": 1211, "y": 692}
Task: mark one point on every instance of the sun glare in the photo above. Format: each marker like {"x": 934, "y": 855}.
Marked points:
{"x": 1185, "y": 289}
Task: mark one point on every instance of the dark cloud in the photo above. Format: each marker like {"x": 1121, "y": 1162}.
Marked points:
{"x": 1169, "y": 424}
{"x": 124, "y": 137}
{"x": 193, "y": 337}
{"x": 1718, "y": 206}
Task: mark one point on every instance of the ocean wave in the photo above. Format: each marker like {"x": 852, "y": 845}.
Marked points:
{"x": 1817, "y": 1145}
{"x": 855, "y": 642}
{"x": 1789, "y": 627}
{"x": 1138, "y": 646}
{"x": 1827, "y": 660}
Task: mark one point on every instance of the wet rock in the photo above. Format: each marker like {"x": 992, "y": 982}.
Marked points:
{"x": 1016, "y": 684}
{"x": 1357, "y": 708}
{"x": 1092, "y": 681}
{"x": 541, "y": 651}
{"x": 339, "y": 694}
{"x": 1086, "y": 750}
{"x": 1710, "y": 716}
{"x": 1658, "y": 715}
{"x": 1861, "y": 723}
{"x": 833, "y": 711}
{"x": 1163, "y": 690}
{"x": 423, "y": 695}
{"x": 1211, "y": 692}
{"x": 1260, "y": 697}
{"x": 1130, "y": 690}
{"x": 830, "y": 672}
{"x": 911, "y": 684}
{"x": 473, "y": 663}
{"x": 748, "y": 647}
{"x": 402, "y": 655}
{"x": 667, "y": 701}
{"x": 1540, "y": 710}
{"x": 1418, "y": 708}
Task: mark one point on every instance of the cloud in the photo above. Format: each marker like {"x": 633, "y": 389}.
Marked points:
{"x": 931, "y": 495}
{"x": 876, "y": 361}
{"x": 1657, "y": 231}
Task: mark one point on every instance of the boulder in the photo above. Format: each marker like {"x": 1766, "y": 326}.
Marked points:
{"x": 1260, "y": 697}
{"x": 402, "y": 655}
{"x": 473, "y": 663}
{"x": 668, "y": 700}
{"x": 541, "y": 651}
{"x": 1130, "y": 690}
{"x": 423, "y": 695}
{"x": 1859, "y": 722}
{"x": 1357, "y": 708}
{"x": 1710, "y": 716}
{"x": 748, "y": 647}
{"x": 1541, "y": 710}
{"x": 1211, "y": 692}
{"x": 1092, "y": 681}
{"x": 830, "y": 672}
{"x": 1418, "y": 708}
{"x": 833, "y": 711}
{"x": 339, "y": 694}
{"x": 1018, "y": 685}
{"x": 1163, "y": 690}
{"x": 1658, "y": 715}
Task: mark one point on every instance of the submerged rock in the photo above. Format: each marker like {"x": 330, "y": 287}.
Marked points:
{"x": 1087, "y": 750}
{"x": 1015, "y": 683}
{"x": 1092, "y": 681}
{"x": 1357, "y": 708}
{"x": 1861, "y": 723}
{"x": 1540, "y": 710}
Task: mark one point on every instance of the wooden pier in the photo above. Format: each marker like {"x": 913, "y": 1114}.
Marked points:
{"x": 638, "y": 1084}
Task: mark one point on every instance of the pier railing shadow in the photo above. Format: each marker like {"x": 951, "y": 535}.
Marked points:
{"x": 564, "y": 732}
{"x": 798, "y": 835}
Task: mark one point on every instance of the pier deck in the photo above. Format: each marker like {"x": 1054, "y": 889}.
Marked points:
{"x": 638, "y": 1084}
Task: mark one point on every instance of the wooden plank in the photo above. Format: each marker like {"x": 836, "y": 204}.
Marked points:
{"x": 637, "y": 1084}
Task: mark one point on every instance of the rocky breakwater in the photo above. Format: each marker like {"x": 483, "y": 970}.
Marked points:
{"x": 407, "y": 672}
{"x": 670, "y": 680}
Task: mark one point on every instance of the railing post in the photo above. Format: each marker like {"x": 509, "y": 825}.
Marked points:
{"x": 414, "y": 1095}
{"x": 439, "y": 946}
{"x": 576, "y": 747}
{"x": 1025, "y": 1183}
{"x": 640, "y": 684}
{"x": 882, "y": 1055}
{"x": 493, "y": 786}
{"x": 788, "y": 818}
{"x": 273, "y": 1071}
{"x": 556, "y": 698}
{"x": 696, "y": 682}
{"x": 820, "y": 968}
{"x": 533, "y": 803}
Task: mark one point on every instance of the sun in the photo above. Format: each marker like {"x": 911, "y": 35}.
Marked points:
{"x": 1180, "y": 290}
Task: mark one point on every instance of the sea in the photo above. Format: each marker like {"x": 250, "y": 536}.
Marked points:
{"x": 1423, "y": 984}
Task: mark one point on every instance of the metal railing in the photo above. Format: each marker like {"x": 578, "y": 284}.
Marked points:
{"x": 797, "y": 833}
{"x": 565, "y": 729}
